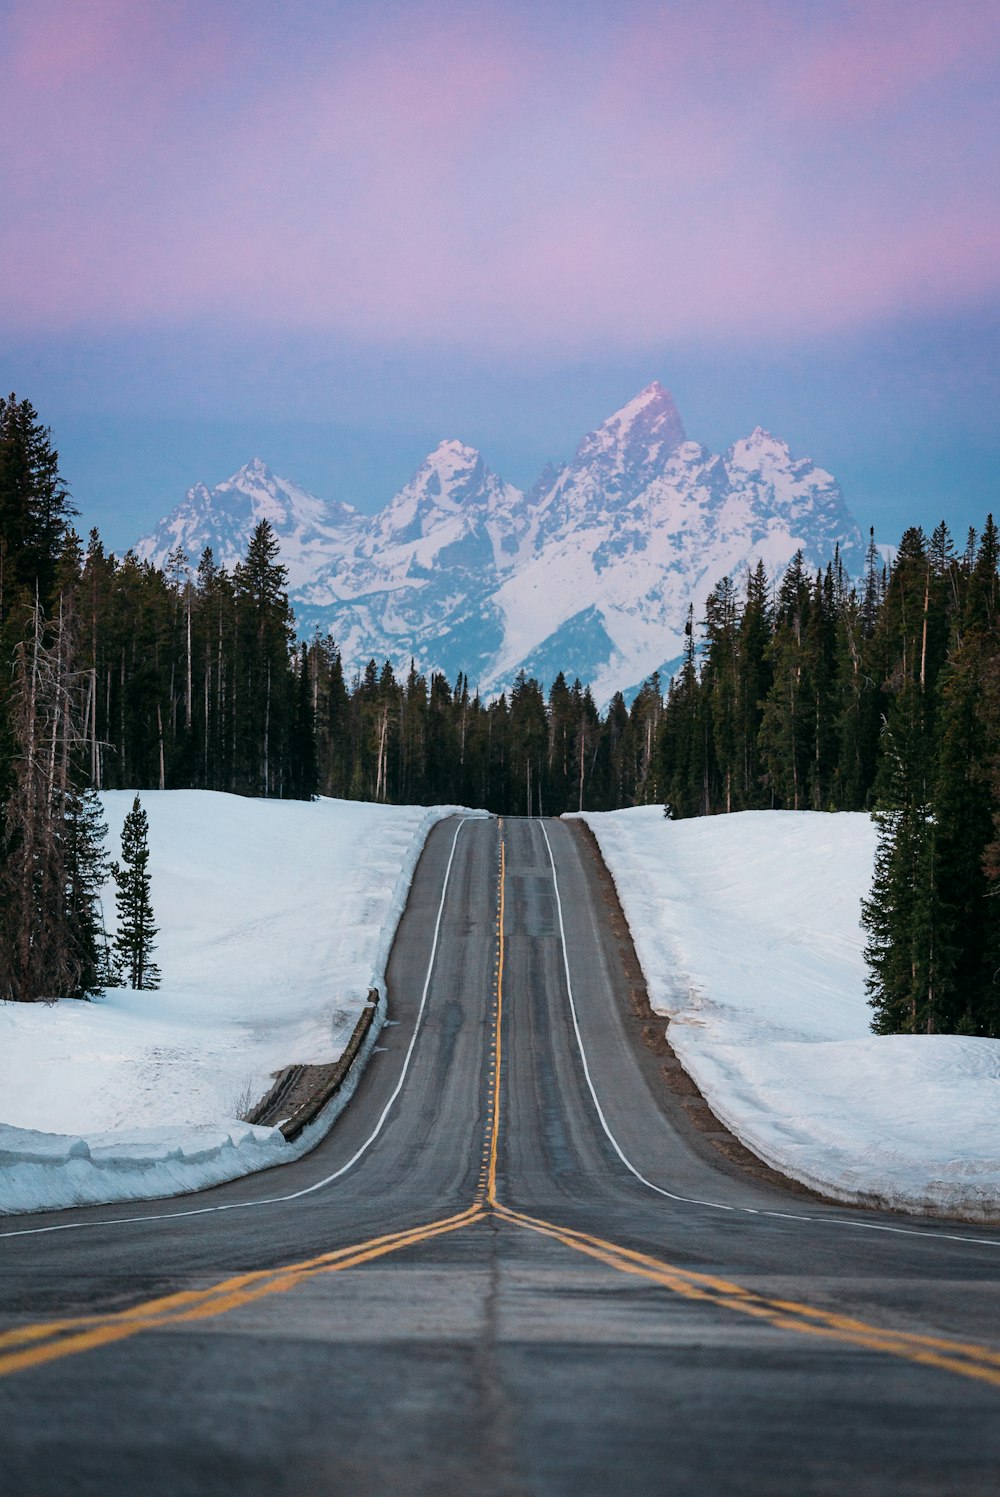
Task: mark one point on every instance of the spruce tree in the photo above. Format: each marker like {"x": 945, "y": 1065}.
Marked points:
{"x": 899, "y": 914}
{"x": 962, "y": 830}
{"x": 681, "y": 739}
{"x": 134, "y": 942}
{"x": 87, "y": 867}
{"x": 35, "y": 509}
{"x": 755, "y": 679}
{"x": 787, "y": 732}
{"x": 721, "y": 687}
{"x": 265, "y": 681}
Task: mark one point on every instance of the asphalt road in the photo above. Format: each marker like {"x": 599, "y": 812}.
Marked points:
{"x": 515, "y": 1266}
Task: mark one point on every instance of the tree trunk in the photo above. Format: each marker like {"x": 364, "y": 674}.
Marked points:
{"x": 159, "y": 729}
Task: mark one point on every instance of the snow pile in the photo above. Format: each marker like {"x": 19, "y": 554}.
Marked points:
{"x": 275, "y": 920}
{"x": 747, "y": 929}
{"x": 45, "y": 1171}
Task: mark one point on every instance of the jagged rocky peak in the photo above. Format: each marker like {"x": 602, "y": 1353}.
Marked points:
{"x": 615, "y": 463}
{"x": 268, "y": 496}
{"x": 592, "y": 571}
{"x": 254, "y": 474}
{"x": 452, "y": 477}
{"x": 452, "y": 493}
{"x": 759, "y": 450}
{"x": 451, "y": 465}
{"x": 451, "y": 453}
{"x": 224, "y": 518}
{"x": 642, "y": 432}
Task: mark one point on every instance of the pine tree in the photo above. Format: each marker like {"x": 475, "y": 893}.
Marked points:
{"x": 681, "y": 770}
{"x": 303, "y": 767}
{"x": 265, "y": 684}
{"x": 755, "y": 678}
{"x": 529, "y": 731}
{"x": 35, "y": 508}
{"x": 787, "y": 733}
{"x": 721, "y": 685}
{"x": 87, "y": 868}
{"x": 899, "y": 913}
{"x": 587, "y": 742}
{"x": 134, "y": 942}
{"x": 961, "y": 832}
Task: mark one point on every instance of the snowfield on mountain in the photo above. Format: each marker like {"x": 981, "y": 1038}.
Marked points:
{"x": 275, "y": 919}
{"x": 747, "y": 929}
{"x": 590, "y": 572}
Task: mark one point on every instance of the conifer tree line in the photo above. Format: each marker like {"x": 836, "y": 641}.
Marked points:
{"x": 53, "y": 863}
{"x": 884, "y": 697}
{"x": 820, "y": 694}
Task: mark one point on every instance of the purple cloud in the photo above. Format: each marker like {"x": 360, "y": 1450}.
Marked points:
{"x": 570, "y": 179}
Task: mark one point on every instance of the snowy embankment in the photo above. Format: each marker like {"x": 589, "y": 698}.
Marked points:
{"x": 275, "y": 919}
{"x": 747, "y": 929}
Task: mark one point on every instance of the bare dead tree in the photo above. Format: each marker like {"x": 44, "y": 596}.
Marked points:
{"x": 46, "y": 716}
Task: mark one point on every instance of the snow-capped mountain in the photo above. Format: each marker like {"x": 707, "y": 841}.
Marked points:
{"x": 591, "y": 572}
{"x": 420, "y": 576}
{"x": 644, "y": 522}
{"x": 308, "y": 529}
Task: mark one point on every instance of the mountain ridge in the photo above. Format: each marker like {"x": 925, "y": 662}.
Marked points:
{"x": 462, "y": 571}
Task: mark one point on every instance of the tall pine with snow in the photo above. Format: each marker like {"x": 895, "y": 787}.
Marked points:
{"x": 134, "y": 942}
{"x": 87, "y": 868}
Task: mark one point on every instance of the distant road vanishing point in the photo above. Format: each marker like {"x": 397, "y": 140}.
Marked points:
{"x": 522, "y": 1262}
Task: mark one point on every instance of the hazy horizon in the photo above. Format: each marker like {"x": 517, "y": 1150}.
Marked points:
{"x": 337, "y": 234}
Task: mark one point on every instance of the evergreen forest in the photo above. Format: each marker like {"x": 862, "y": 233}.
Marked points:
{"x": 825, "y": 693}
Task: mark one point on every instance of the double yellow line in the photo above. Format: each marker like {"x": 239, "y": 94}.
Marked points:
{"x": 33, "y": 1345}
{"x": 496, "y": 1040}
{"x": 966, "y": 1358}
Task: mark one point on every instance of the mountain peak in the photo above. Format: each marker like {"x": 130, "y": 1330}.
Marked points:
{"x": 593, "y": 570}
{"x": 451, "y": 467}
{"x": 654, "y": 394}
{"x": 758, "y": 449}
{"x": 654, "y": 404}
{"x": 255, "y": 471}
{"x": 453, "y": 451}
{"x": 647, "y": 427}
{"x": 224, "y": 518}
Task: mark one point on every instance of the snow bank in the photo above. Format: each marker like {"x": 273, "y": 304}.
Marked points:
{"x": 44, "y": 1171}
{"x": 275, "y": 919}
{"x": 747, "y": 929}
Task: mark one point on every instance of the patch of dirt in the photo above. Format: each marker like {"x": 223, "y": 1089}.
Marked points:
{"x": 300, "y": 1093}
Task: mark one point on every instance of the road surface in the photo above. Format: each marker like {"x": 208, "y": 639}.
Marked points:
{"x": 513, "y": 1267}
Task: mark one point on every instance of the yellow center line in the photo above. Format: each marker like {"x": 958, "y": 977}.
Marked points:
{"x": 188, "y": 1298}
{"x": 491, "y": 1185}
{"x": 33, "y": 1345}
{"x": 63, "y": 1338}
{"x": 965, "y": 1358}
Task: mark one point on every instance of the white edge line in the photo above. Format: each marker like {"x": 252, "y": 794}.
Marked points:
{"x": 830, "y": 1221}
{"x": 295, "y": 1195}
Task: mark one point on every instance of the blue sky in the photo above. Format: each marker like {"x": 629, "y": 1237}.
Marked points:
{"x": 334, "y": 235}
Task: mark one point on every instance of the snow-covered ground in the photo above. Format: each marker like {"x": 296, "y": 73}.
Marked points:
{"x": 275, "y": 919}
{"x": 747, "y": 929}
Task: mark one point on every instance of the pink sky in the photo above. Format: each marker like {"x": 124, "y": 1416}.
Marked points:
{"x": 491, "y": 177}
